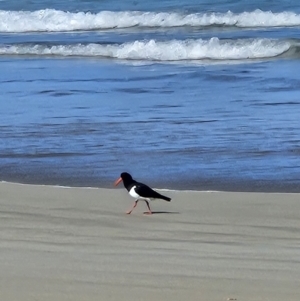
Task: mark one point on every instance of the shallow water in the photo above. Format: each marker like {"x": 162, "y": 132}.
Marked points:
{"x": 185, "y": 106}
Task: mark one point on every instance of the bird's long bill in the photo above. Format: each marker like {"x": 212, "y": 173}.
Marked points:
{"x": 118, "y": 181}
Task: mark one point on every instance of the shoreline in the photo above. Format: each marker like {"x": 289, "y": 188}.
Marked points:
{"x": 112, "y": 188}
{"x": 254, "y": 186}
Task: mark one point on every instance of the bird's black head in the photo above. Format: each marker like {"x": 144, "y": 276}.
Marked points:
{"x": 127, "y": 180}
{"x": 126, "y": 176}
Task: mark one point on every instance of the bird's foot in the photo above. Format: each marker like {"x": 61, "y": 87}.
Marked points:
{"x": 148, "y": 213}
{"x": 128, "y": 212}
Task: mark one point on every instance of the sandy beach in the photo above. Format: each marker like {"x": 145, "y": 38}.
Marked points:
{"x": 78, "y": 244}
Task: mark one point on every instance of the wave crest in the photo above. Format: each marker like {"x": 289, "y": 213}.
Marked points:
{"x": 50, "y": 20}
{"x": 152, "y": 50}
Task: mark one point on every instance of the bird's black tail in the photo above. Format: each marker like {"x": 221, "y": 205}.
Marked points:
{"x": 165, "y": 198}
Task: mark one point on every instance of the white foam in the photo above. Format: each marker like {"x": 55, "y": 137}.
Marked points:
{"x": 54, "y": 186}
{"x": 173, "y": 50}
{"x": 55, "y": 20}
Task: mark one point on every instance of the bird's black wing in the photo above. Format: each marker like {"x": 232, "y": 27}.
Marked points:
{"x": 146, "y": 192}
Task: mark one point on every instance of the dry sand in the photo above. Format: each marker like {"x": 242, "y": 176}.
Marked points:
{"x": 78, "y": 244}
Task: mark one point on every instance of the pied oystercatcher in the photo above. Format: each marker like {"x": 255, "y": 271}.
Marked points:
{"x": 139, "y": 191}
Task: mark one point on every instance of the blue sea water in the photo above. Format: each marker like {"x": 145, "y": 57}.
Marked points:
{"x": 184, "y": 95}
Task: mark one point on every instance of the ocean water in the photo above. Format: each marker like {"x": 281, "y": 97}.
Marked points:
{"x": 182, "y": 94}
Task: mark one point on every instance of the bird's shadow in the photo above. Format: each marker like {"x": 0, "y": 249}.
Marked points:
{"x": 162, "y": 212}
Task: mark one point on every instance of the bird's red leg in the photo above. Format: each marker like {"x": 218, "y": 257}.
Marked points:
{"x": 149, "y": 212}
{"x": 134, "y": 205}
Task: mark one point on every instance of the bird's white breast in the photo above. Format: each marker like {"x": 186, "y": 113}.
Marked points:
{"x": 135, "y": 195}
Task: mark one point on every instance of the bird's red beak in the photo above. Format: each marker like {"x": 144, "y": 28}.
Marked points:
{"x": 118, "y": 181}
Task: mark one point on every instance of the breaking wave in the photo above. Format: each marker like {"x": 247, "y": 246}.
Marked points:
{"x": 50, "y": 20}
{"x": 173, "y": 50}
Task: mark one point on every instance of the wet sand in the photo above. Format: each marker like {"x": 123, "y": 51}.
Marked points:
{"x": 78, "y": 244}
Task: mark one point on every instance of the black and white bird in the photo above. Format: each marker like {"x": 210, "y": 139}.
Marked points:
{"x": 139, "y": 191}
